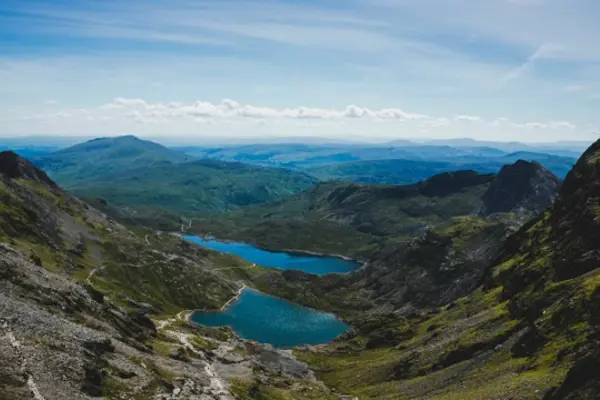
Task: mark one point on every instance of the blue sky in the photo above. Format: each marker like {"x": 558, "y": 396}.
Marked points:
{"x": 524, "y": 70}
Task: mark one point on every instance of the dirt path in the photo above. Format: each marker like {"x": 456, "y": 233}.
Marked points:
{"x": 234, "y": 298}
{"x": 217, "y": 385}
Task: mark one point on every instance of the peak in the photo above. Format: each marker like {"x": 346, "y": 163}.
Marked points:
{"x": 524, "y": 187}
{"x": 523, "y": 167}
{"x": 524, "y": 164}
{"x": 582, "y": 184}
{"x": 13, "y": 166}
{"x": 125, "y": 138}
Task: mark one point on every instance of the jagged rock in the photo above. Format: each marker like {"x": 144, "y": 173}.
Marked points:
{"x": 98, "y": 348}
{"x": 526, "y": 188}
{"x": 15, "y": 167}
{"x": 141, "y": 320}
{"x": 95, "y": 294}
{"x": 528, "y": 343}
{"x": 581, "y": 382}
{"x": 92, "y": 383}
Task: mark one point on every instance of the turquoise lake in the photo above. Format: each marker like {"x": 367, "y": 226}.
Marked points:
{"x": 279, "y": 259}
{"x": 267, "y": 319}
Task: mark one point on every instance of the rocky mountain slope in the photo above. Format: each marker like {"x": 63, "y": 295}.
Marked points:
{"x": 525, "y": 188}
{"x": 90, "y": 308}
{"x": 528, "y": 330}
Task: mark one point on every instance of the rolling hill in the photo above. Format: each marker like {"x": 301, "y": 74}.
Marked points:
{"x": 353, "y": 218}
{"x": 105, "y": 155}
{"x": 197, "y": 187}
{"x": 404, "y": 171}
{"x": 368, "y": 162}
{"x": 135, "y": 178}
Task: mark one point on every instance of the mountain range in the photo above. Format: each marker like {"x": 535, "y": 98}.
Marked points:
{"x": 473, "y": 285}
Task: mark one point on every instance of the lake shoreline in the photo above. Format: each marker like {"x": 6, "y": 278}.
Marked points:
{"x": 359, "y": 263}
{"x": 239, "y": 333}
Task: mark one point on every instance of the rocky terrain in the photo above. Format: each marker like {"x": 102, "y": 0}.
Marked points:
{"x": 527, "y": 330}
{"x": 480, "y": 302}
{"x": 525, "y": 188}
{"x": 90, "y": 308}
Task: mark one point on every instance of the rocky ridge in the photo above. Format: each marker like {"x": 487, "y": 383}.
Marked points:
{"x": 526, "y": 188}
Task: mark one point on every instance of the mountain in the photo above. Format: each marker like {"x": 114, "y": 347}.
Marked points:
{"x": 523, "y": 187}
{"x": 90, "y": 309}
{"x": 395, "y": 172}
{"x": 475, "y": 155}
{"x": 404, "y": 171}
{"x": 434, "y": 263}
{"x": 525, "y": 326}
{"x": 354, "y": 219}
{"x": 197, "y": 187}
{"x": 129, "y": 177}
{"x": 105, "y": 155}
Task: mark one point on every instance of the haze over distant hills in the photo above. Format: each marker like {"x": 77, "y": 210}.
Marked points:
{"x": 146, "y": 178}
{"x": 149, "y": 181}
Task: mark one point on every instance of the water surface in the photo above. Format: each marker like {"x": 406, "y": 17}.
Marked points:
{"x": 279, "y": 259}
{"x": 267, "y": 319}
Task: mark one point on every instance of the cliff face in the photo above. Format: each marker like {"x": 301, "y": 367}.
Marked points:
{"x": 525, "y": 188}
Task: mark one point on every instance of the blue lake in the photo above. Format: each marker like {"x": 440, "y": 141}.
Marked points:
{"x": 279, "y": 259}
{"x": 263, "y": 318}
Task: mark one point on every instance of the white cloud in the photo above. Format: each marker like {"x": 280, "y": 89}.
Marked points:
{"x": 228, "y": 108}
{"x": 470, "y": 118}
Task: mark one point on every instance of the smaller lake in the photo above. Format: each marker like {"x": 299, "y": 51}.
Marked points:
{"x": 267, "y": 319}
{"x": 279, "y": 259}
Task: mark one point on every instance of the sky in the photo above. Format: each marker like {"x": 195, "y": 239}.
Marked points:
{"x": 526, "y": 70}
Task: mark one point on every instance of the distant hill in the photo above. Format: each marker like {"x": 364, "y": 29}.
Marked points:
{"x": 390, "y": 171}
{"x": 139, "y": 178}
{"x": 347, "y": 217}
{"x": 368, "y": 163}
{"x": 403, "y": 171}
{"x": 196, "y": 187}
{"x": 355, "y": 218}
{"x": 105, "y": 155}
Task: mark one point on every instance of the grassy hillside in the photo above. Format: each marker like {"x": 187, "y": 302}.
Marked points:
{"x": 528, "y": 329}
{"x": 196, "y": 187}
{"x": 142, "y": 180}
{"x": 69, "y": 237}
{"x": 347, "y": 218}
{"x": 105, "y": 155}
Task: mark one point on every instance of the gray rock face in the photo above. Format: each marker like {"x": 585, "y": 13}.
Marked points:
{"x": 525, "y": 188}
{"x": 15, "y": 167}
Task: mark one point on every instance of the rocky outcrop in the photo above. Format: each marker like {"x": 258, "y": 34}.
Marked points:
{"x": 15, "y": 167}
{"x": 526, "y": 188}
